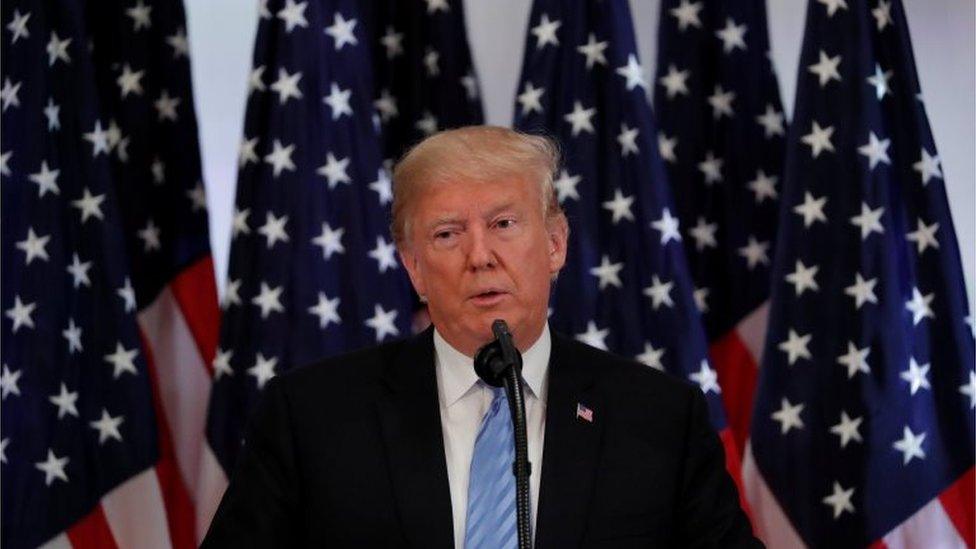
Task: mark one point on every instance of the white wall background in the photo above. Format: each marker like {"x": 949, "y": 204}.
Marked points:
{"x": 943, "y": 32}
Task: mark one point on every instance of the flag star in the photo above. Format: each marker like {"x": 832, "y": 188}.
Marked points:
{"x": 128, "y": 295}
{"x": 98, "y": 137}
{"x": 812, "y": 209}
{"x": 386, "y": 105}
{"x": 847, "y": 429}
{"x": 383, "y": 187}
{"x": 57, "y": 50}
{"x": 675, "y": 82}
{"x": 280, "y": 158}
{"x": 704, "y": 234}
{"x": 18, "y": 26}
{"x": 566, "y": 186}
{"x": 651, "y": 357}
{"x": 286, "y": 86}
{"x": 79, "y": 271}
{"x": 341, "y": 31}
{"x": 179, "y": 43}
{"x": 330, "y": 240}
{"x": 788, "y": 416}
{"x": 293, "y": 15}
{"x": 8, "y": 94}
{"x": 924, "y": 236}
{"x": 107, "y": 427}
{"x": 593, "y": 336}
{"x": 627, "y": 138}
{"x": 764, "y": 186}
{"x": 113, "y": 134}
{"x": 221, "y": 363}
{"x": 66, "y": 401}
{"x": 263, "y": 11}
{"x": 833, "y": 5}
{"x": 803, "y": 279}
{"x": 706, "y": 378}
{"x": 385, "y": 254}
{"x": 721, "y": 102}
{"x": 882, "y": 15}
{"x": 433, "y": 6}
{"x": 198, "y": 197}
{"x": 21, "y": 313}
{"x": 232, "y": 295}
{"x": 338, "y": 101}
{"x": 246, "y": 152}
{"x": 150, "y": 237}
{"x": 880, "y": 81}
{"x": 855, "y": 359}
{"x": 910, "y": 445}
{"x": 732, "y": 36}
{"x": 711, "y": 168}
{"x": 334, "y": 170}
{"x": 274, "y": 229}
{"x": 593, "y": 50}
{"x": 687, "y": 14}
{"x": 73, "y": 335}
{"x": 862, "y": 290}
{"x": 545, "y": 32}
{"x": 470, "y": 84}
{"x": 840, "y": 500}
{"x": 129, "y": 81}
{"x": 327, "y": 310}
{"x": 755, "y": 253}
{"x": 34, "y": 246}
{"x": 668, "y": 226}
{"x": 580, "y": 118}
{"x": 969, "y": 390}
{"x": 659, "y": 292}
{"x": 263, "y": 369}
{"x": 8, "y": 382}
{"x": 431, "y": 58}
{"x": 122, "y": 360}
{"x": 928, "y": 167}
{"x": 665, "y": 147}
{"x": 393, "y": 42}
{"x": 772, "y": 121}
{"x": 916, "y": 375}
{"x": 166, "y": 106}
{"x": 269, "y": 300}
{"x": 608, "y": 273}
{"x": 633, "y": 72}
{"x": 701, "y": 296}
{"x": 529, "y": 99}
{"x": 140, "y": 16}
{"x": 876, "y": 150}
{"x": 826, "y": 68}
{"x": 819, "y": 139}
{"x": 382, "y": 323}
{"x": 53, "y": 468}
{"x": 3, "y": 449}
{"x": 427, "y": 123}
{"x": 5, "y": 162}
{"x": 254, "y": 81}
{"x": 795, "y": 346}
{"x": 869, "y": 221}
{"x": 158, "y": 170}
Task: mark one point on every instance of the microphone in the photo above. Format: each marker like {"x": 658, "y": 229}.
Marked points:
{"x": 493, "y": 360}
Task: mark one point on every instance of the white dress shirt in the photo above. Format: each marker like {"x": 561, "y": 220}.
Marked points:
{"x": 464, "y": 400}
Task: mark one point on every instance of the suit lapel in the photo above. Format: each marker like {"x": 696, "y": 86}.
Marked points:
{"x": 411, "y": 430}
{"x": 571, "y": 450}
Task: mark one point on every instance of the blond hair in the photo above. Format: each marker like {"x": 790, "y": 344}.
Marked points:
{"x": 474, "y": 153}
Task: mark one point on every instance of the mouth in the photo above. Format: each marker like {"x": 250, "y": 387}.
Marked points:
{"x": 489, "y": 297}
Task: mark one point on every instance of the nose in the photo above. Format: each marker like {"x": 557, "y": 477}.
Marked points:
{"x": 481, "y": 254}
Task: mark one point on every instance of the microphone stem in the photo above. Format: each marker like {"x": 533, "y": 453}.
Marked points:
{"x": 521, "y": 468}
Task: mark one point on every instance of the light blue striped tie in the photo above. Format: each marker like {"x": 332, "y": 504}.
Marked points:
{"x": 491, "y": 522}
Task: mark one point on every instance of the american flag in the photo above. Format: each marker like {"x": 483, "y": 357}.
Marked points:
{"x": 722, "y": 136}
{"x": 863, "y": 430}
{"x": 626, "y": 285}
{"x": 109, "y": 303}
{"x": 313, "y": 270}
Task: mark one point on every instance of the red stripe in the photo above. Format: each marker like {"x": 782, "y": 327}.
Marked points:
{"x": 196, "y": 293}
{"x": 92, "y": 532}
{"x": 734, "y": 465}
{"x": 880, "y": 544}
{"x": 180, "y": 514}
{"x": 737, "y": 373}
{"x": 958, "y": 502}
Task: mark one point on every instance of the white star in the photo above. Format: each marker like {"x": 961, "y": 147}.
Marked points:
{"x": 179, "y": 43}
{"x": 99, "y": 139}
{"x": 263, "y": 369}
{"x": 385, "y": 254}
{"x": 545, "y": 32}
{"x": 393, "y": 42}
{"x": 675, "y": 82}
{"x": 246, "y": 152}
{"x": 593, "y": 51}
{"x": 18, "y": 26}
{"x": 107, "y": 427}
{"x": 580, "y": 118}
{"x": 34, "y": 246}
{"x": 659, "y": 292}
{"x": 721, "y": 102}
{"x": 633, "y": 72}
{"x": 651, "y": 357}
{"x": 73, "y": 335}
{"x": 969, "y": 389}
{"x": 129, "y": 81}
{"x": 862, "y": 291}
{"x": 383, "y": 187}
{"x": 57, "y": 50}
{"x": 529, "y": 99}
{"x": 4, "y": 162}
{"x": 764, "y": 186}
{"x": 826, "y": 68}
{"x": 880, "y": 81}
{"x": 755, "y": 253}
{"x": 8, "y": 94}
{"x": 8, "y": 382}
{"x": 140, "y": 16}
{"x": 150, "y": 237}
{"x": 280, "y": 158}
{"x": 819, "y": 139}
{"x": 916, "y": 375}
{"x": 327, "y": 310}
{"x": 928, "y": 167}
{"x": 53, "y": 468}
{"x": 427, "y": 123}
{"x": 158, "y": 171}
{"x": 65, "y": 401}
{"x": 330, "y": 240}
{"x": 470, "y": 84}
{"x": 269, "y": 300}
{"x": 882, "y": 15}
{"x": 387, "y": 106}
{"x": 847, "y": 429}
{"x": 198, "y": 197}
{"x": 795, "y": 346}
{"x": 286, "y": 86}
{"x": 700, "y": 296}
{"x": 627, "y": 138}
{"x": 772, "y": 121}
{"x": 620, "y": 206}
{"x": 263, "y": 11}
{"x": 788, "y": 416}
{"x": 254, "y": 81}
{"x": 338, "y": 101}
{"x": 52, "y": 113}
{"x": 924, "y": 236}
{"x": 687, "y": 14}
{"x": 876, "y": 150}
{"x": 833, "y": 5}
{"x": 274, "y": 229}
{"x": 910, "y": 445}
{"x": 79, "y": 271}
{"x": 711, "y": 168}
{"x": 166, "y": 106}
{"x": 668, "y": 226}
{"x": 840, "y": 500}
{"x": 21, "y": 313}
{"x": 665, "y": 147}
{"x": 869, "y": 221}
{"x": 802, "y": 278}
{"x": 128, "y": 295}
{"x": 334, "y": 170}
{"x": 293, "y": 15}
{"x": 382, "y": 323}
{"x": 232, "y": 294}
{"x": 221, "y": 363}
{"x": 855, "y": 359}
{"x": 811, "y": 209}
{"x": 3, "y": 449}
{"x": 341, "y": 31}
{"x": 608, "y": 273}
{"x": 122, "y": 360}
{"x": 434, "y": 6}
{"x": 732, "y": 36}
{"x": 593, "y": 336}
{"x": 566, "y": 186}
{"x": 704, "y": 234}
{"x": 706, "y": 378}
{"x": 431, "y": 58}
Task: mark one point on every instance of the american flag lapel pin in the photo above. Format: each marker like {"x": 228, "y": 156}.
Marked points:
{"x": 584, "y": 413}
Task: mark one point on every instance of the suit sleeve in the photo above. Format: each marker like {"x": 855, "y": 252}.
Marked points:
{"x": 709, "y": 511}
{"x": 260, "y": 507}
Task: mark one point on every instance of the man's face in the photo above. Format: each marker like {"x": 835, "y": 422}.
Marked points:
{"x": 481, "y": 251}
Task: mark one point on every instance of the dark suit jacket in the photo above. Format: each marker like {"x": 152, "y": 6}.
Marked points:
{"x": 349, "y": 452}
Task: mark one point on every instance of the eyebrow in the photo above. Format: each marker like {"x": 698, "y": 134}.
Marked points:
{"x": 450, "y": 219}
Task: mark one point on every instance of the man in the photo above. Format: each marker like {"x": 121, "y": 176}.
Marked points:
{"x": 396, "y": 445}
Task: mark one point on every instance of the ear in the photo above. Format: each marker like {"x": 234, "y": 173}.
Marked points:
{"x": 558, "y": 233}
{"x": 411, "y": 263}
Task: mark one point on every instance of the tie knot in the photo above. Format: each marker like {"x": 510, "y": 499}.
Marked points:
{"x": 498, "y": 394}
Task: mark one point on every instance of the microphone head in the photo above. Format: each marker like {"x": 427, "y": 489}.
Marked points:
{"x": 492, "y": 360}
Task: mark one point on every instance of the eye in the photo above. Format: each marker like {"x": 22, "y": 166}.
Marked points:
{"x": 505, "y": 223}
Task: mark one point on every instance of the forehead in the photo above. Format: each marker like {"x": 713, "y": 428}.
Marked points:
{"x": 475, "y": 196}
